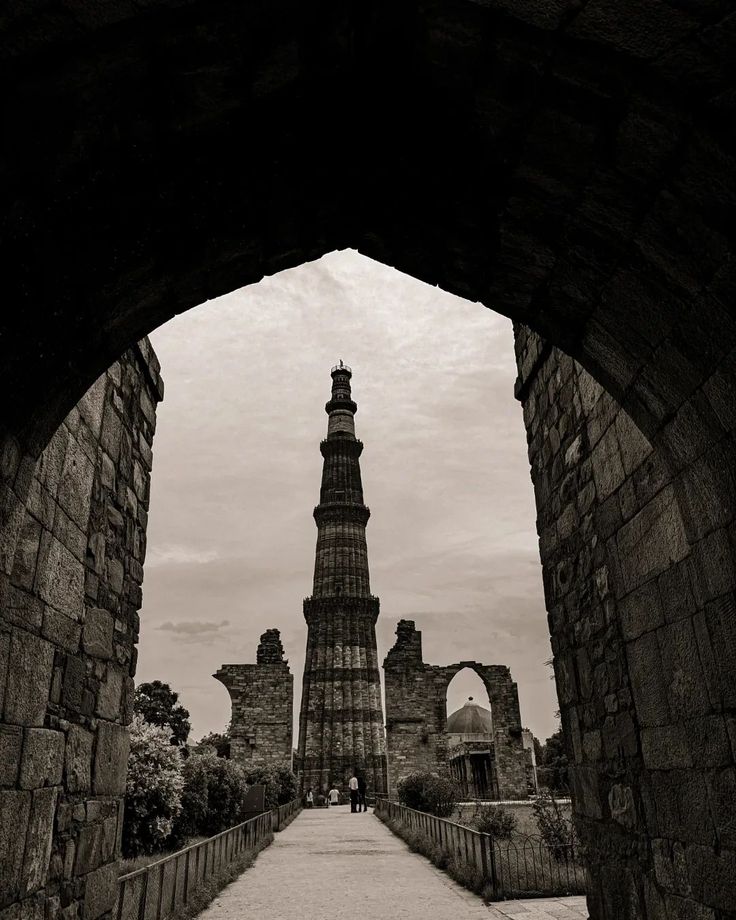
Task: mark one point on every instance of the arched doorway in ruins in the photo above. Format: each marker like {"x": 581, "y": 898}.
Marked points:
{"x": 566, "y": 167}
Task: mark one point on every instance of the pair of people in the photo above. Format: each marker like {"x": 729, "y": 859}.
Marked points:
{"x": 358, "y": 787}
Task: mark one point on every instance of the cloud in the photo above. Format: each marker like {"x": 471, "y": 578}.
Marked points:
{"x": 175, "y": 554}
{"x": 194, "y": 630}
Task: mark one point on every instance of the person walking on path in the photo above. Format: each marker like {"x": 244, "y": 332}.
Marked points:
{"x": 362, "y": 789}
{"x": 333, "y": 796}
{"x": 353, "y": 785}
{"x": 310, "y": 798}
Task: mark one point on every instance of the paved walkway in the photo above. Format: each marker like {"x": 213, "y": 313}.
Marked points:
{"x": 332, "y": 865}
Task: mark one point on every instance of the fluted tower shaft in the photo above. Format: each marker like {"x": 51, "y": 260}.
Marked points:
{"x": 341, "y": 728}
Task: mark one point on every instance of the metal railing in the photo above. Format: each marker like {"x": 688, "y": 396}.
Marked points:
{"x": 160, "y": 889}
{"x": 521, "y": 867}
{"x": 283, "y": 814}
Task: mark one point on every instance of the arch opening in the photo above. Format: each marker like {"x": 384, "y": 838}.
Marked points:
{"x": 469, "y": 729}
{"x": 582, "y": 183}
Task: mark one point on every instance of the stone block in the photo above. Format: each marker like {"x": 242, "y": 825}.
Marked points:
{"x": 15, "y": 810}
{"x": 608, "y": 470}
{"x": 682, "y": 806}
{"x": 78, "y": 759}
{"x": 60, "y": 579}
{"x": 38, "y": 840}
{"x": 43, "y": 758}
{"x": 111, "y": 433}
{"x": 622, "y": 806}
{"x": 713, "y": 570}
{"x": 98, "y": 631}
{"x": 95, "y": 845}
{"x": 634, "y": 446}
{"x": 651, "y": 541}
{"x": 5, "y": 638}
{"x": 647, "y": 681}
{"x": 75, "y": 677}
{"x": 709, "y": 741}
{"x": 92, "y": 404}
{"x": 26, "y": 554}
{"x": 61, "y": 629}
{"x": 29, "y": 679}
{"x": 640, "y": 611}
{"x": 11, "y": 745}
{"x": 665, "y": 748}
{"x": 100, "y": 891}
{"x": 111, "y": 759}
{"x": 109, "y": 694}
{"x": 686, "y": 687}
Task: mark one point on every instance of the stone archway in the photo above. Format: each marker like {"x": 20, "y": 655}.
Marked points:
{"x": 416, "y": 716}
{"x": 568, "y": 166}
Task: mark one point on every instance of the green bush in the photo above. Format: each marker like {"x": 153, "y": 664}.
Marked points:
{"x": 428, "y": 792}
{"x": 280, "y": 784}
{"x": 213, "y": 797}
{"x": 153, "y": 789}
{"x": 557, "y": 831}
{"x": 496, "y": 821}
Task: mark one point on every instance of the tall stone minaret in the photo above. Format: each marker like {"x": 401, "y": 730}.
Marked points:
{"x": 341, "y": 719}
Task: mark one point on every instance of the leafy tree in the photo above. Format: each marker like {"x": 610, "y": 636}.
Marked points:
{"x": 220, "y": 741}
{"x": 159, "y": 705}
{"x": 153, "y": 788}
{"x": 496, "y": 821}
{"x": 280, "y": 784}
{"x": 213, "y": 797}
{"x": 428, "y": 792}
{"x": 554, "y": 766}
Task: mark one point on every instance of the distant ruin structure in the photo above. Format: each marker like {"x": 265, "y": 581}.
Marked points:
{"x": 483, "y": 750}
{"x": 341, "y": 718}
{"x": 262, "y": 697}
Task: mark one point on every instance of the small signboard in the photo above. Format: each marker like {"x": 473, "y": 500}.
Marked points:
{"x": 255, "y": 801}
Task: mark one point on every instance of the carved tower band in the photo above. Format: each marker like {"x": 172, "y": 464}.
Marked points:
{"x": 341, "y": 727}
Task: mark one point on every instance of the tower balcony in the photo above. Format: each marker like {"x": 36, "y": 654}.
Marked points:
{"x": 341, "y": 512}
{"x": 341, "y": 443}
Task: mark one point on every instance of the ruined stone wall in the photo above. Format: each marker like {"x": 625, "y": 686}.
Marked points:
{"x": 638, "y": 574}
{"x": 67, "y": 649}
{"x": 262, "y": 697}
{"x": 416, "y": 715}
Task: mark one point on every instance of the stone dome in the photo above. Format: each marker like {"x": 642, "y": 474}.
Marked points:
{"x": 470, "y": 719}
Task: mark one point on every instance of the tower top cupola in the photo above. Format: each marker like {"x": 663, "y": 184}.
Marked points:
{"x": 341, "y": 408}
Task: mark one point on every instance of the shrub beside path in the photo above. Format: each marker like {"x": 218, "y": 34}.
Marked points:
{"x": 330, "y": 864}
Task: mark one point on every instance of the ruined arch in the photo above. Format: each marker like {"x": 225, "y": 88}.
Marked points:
{"x": 416, "y": 716}
{"x": 569, "y": 167}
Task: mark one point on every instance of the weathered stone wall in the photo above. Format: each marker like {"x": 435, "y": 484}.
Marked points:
{"x": 67, "y": 649}
{"x": 262, "y": 697}
{"x": 637, "y": 554}
{"x": 416, "y": 715}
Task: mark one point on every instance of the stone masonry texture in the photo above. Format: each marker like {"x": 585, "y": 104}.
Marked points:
{"x": 416, "y": 715}
{"x": 569, "y": 164}
{"x": 341, "y": 727}
{"x": 69, "y": 632}
{"x": 637, "y": 614}
{"x": 262, "y": 697}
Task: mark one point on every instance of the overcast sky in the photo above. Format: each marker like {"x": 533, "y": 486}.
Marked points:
{"x": 236, "y": 474}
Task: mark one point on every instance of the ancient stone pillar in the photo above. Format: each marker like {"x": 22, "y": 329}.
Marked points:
{"x": 262, "y": 697}
{"x": 341, "y": 719}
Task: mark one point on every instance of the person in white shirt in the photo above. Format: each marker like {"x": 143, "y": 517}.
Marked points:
{"x": 333, "y": 796}
{"x": 310, "y": 798}
{"x": 353, "y": 786}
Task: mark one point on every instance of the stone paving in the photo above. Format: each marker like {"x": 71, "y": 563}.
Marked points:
{"x": 332, "y": 865}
